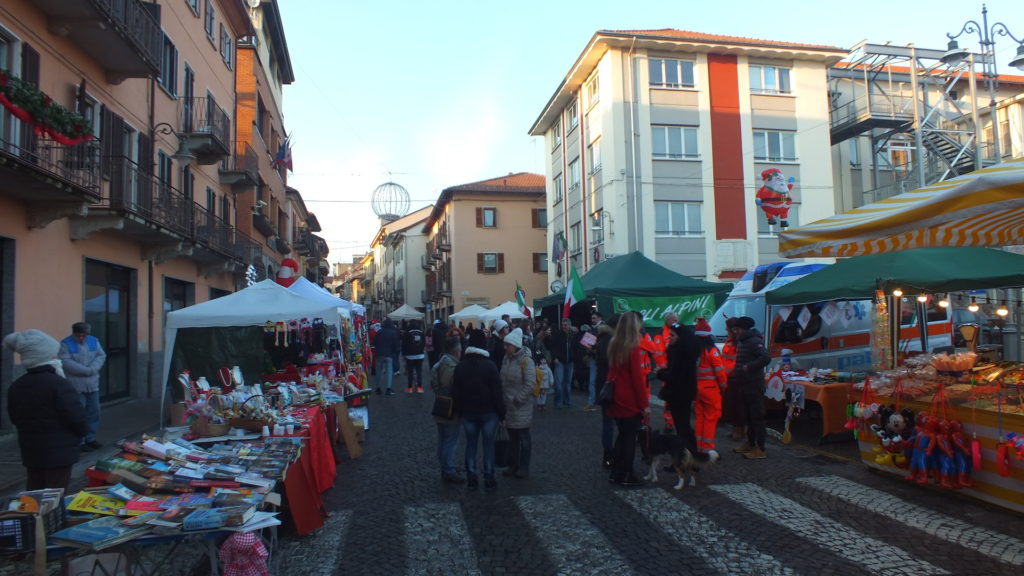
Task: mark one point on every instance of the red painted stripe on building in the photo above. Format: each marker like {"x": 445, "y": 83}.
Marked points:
{"x": 726, "y": 147}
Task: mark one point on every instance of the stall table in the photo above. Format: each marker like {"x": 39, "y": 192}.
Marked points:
{"x": 833, "y": 398}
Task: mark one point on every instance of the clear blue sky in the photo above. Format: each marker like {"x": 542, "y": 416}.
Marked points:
{"x": 440, "y": 93}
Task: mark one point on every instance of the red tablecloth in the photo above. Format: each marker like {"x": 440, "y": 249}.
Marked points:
{"x": 310, "y": 475}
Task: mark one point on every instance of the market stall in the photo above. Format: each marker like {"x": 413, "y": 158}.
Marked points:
{"x": 510, "y": 308}
{"x": 406, "y": 312}
{"x": 635, "y": 282}
{"x": 471, "y": 312}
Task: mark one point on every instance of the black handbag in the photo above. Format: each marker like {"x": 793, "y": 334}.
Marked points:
{"x": 502, "y": 448}
{"x": 444, "y": 407}
{"x": 607, "y": 394}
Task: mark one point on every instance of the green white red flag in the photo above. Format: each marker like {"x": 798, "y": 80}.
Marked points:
{"x": 521, "y": 301}
{"x": 573, "y": 291}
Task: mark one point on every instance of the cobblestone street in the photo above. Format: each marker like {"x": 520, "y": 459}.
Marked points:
{"x": 801, "y": 511}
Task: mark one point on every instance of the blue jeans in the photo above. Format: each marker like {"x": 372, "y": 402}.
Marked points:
{"x": 563, "y": 383}
{"x": 414, "y": 372}
{"x": 91, "y": 402}
{"x": 385, "y": 371}
{"x": 475, "y": 425}
{"x": 591, "y": 381}
{"x": 607, "y": 431}
{"x": 447, "y": 442}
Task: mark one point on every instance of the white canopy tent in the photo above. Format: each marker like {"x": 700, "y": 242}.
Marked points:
{"x": 266, "y": 301}
{"x": 406, "y": 312}
{"x": 304, "y": 287}
{"x": 511, "y": 308}
{"x": 471, "y": 312}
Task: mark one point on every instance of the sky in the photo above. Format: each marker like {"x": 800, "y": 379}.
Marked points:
{"x": 441, "y": 93}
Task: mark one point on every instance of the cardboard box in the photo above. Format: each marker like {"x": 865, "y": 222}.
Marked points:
{"x": 360, "y": 431}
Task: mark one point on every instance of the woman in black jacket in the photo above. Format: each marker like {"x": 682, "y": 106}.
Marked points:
{"x": 47, "y": 411}
{"x": 476, "y": 393}
{"x": 679, "y": 380}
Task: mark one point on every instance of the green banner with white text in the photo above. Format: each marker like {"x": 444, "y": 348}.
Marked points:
{"x": 654, "y": 309}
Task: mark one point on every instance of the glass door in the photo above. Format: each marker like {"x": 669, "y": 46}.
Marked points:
{"x": 109, "y": 299}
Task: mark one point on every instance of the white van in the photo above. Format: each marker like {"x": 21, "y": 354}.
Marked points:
{"x": 843, "y": 345}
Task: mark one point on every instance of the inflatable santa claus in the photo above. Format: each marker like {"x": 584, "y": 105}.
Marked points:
{"x": 288, "y": 273}
{"x": 774, "y": 196}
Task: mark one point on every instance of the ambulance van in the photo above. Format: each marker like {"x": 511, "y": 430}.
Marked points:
{"x": 844, "y": 344}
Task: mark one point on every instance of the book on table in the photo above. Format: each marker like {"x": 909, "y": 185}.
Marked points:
{"x": 98, "y": 534}
{"x": 173, "y": 517}
{"x": 93, "y": 503}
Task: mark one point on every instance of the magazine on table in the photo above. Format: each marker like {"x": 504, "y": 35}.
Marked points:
{"x": 98, "y": 534}
{"x": 94, "y": 503}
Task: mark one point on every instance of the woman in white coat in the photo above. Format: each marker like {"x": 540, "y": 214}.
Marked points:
{"x": 518, "y": 378}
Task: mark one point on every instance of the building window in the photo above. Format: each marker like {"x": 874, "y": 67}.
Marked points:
{"x": 261, "y": 115}
{"x": 594, "y": 156}
{"x": 596, "y": 228}
{"x": 225, "y": 210}
{"x": 490, "y": 262}
{"x": 671, "y": 73}
{"x": 556, "y": 134}
{"x": 540, "y": 262}
{"x": 486, "y": 217}
{"x": 209, "y": 19}
{"x": 674, "y": 142}
{"x": 539, "y": 218}
{"x": 573, "y": 114}
{"x": 188, "y": 183}
{"x": 774, "y": 146}
{"x": 211, "y": 201}
{"x": 574, "y": 174}
{"x": 225, "y": 45}
{"x": 677, "y": 219}
{"x": 896, "y": 155}
{"x": 593, "y": 91}
{"x": 575, "y": 239}
{"x": 218, "y": 293}
{"x": 854, "y": 148}
{"x": 169, "y": 67}
{"x": 556, "y": 189}
{"x": 194, "y": 5}
{"x": 164, "y": 169}
{"x": 769, "y": 80}
{"x": 177, "y": 295}
{"x": 764, "y": 229}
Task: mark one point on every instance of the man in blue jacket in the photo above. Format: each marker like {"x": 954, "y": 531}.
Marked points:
{"x": 82, "y": 358}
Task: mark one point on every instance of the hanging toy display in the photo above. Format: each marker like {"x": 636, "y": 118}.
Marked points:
{"x": 962, "y": 454}
{"x": 774, "y": 196}
{"x": 923, "y": 448}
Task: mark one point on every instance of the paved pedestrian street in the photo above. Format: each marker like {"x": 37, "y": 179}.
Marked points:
{"x": 802, "y": 511}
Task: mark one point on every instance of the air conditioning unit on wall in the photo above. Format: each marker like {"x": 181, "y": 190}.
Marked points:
{"x": 731, "y": 255}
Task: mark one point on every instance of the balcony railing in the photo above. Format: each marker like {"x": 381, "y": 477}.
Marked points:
{"x": 212, "y": 232}
{"x": 135, "y": 192}
{"x": 242, "y": 168}
{"x": 246, "y": 249}
{"x": 36, "y": 167}
{"x": 206, "y": 127}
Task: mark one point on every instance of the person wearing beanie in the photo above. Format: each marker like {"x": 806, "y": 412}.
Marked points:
{"x": 83, "y": 358}
{"x": 46, "y": 410}
{"x": 732, "y": 401}
{"x": 679, "y": 380}
{"x": 476, "y": 394}
{"x": 751, "y": 359}
{"x": 518, "y": 378}
{"x": 496, "y": 347}
{"x": 711, "y": 379}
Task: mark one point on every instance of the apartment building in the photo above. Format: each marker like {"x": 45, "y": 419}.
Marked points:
{"x": 902, "y": 118}
{"x": 398, "y": 249}
{"x": 483, "y": 239}
{"x": 140, "y": 219}
{"x": 656, "y": 140}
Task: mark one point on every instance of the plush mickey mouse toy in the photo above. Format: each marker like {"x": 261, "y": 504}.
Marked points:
{"x": 893, "y": 426}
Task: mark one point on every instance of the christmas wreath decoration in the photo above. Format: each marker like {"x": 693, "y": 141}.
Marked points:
{"x": 29, "y": 104}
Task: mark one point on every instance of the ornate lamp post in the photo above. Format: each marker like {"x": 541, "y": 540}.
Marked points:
{"x": 986, "y": 36}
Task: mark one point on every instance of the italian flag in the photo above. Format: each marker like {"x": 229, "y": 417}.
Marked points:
{"x": 573, "y": 291}
{"x": 521, "y": 301}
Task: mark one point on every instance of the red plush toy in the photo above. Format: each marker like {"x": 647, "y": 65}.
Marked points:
{"x": 773, "y": 196}
{"x": 288, "y": 273}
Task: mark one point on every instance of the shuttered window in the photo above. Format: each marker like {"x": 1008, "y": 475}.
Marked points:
{"x": 490, "y": 262}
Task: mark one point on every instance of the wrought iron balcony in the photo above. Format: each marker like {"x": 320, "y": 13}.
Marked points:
{"x": 242, "y": 170}
{"x": 123, "y": 36}
{"x": 282, "y": 246}
{"x": 263, "y": 224}
{"x": 215, "y": 236}
{"x": 206, "y": 129}
{"x": 247, "y": 250}
{"x": 49, "y": 175}
{"x": 154, "y": 210}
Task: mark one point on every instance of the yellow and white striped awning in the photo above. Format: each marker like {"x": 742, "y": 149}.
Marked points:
{"x": 983, "y": 208}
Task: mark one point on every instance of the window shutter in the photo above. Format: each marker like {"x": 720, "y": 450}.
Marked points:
{"x": 501, "y": 262}
{"x": 494, "y": 217}
{"x": 535, "y": 219}
{"x": 479, "y": 217}
{"x": 479, "y": 260}
{"x": 536, "y": 265}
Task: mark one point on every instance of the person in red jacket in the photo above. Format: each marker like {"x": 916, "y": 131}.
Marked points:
{"x": 711, "y": 375}
{"x": 632, "y": 401}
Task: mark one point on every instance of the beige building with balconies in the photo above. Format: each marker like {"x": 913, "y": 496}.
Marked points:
{"x": 483, "y": 238}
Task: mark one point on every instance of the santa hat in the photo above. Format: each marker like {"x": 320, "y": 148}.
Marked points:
{"x": 701, "y": 327}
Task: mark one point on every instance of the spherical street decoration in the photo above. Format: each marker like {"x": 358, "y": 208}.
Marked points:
{"x": 390, "y": 201}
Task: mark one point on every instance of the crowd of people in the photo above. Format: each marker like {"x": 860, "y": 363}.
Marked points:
{"x": 497, "y": 375}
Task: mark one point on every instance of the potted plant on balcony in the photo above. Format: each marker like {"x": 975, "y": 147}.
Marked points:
{"x": 29, "y": 104}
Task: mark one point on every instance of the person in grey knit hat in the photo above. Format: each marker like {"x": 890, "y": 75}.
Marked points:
{"x": 46, "y": 410}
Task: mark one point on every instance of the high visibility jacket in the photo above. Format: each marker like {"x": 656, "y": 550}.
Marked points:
{"x": 648, "y": 346}
{"x": 729, "y": 354}
{"x": 661, "y": 347}
{"x": 711, "y": 369}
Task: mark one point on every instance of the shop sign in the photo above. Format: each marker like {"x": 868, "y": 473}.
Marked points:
{"x": 654, "y": 309}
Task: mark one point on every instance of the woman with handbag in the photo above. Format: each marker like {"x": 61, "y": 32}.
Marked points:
{"x": 442, "y": 376}
{"x": 631, "y": 402}
{"x": 518, "y": 378}
{"x": 476, "y": 390}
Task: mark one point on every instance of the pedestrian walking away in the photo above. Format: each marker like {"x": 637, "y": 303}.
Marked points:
{"x": 387, "y": 346}
{"x": 476, "y": 391}
{"x": 82, "y": 358}
{"x": 413, "y": 349}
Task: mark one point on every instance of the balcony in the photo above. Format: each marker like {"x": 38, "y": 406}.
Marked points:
{"x": 426, "y": 263}
{"x": 282, "y": 246}
{"x": 263, "y": 224}
{"x": 123, "y": 36}
{"x": 242, "y": 170}
{"x": 247, "y": 250}
{"x": 54, "y": 180}
{"x": 141, "y": 207}
{"x": 206, "y": 129}
{"x": 303, "y": 243}
{"x": 214, "y": 239}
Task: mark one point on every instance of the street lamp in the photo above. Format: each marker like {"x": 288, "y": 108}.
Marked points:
{"x": 183, "y": 154}
{"x": 986, "y": 36}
